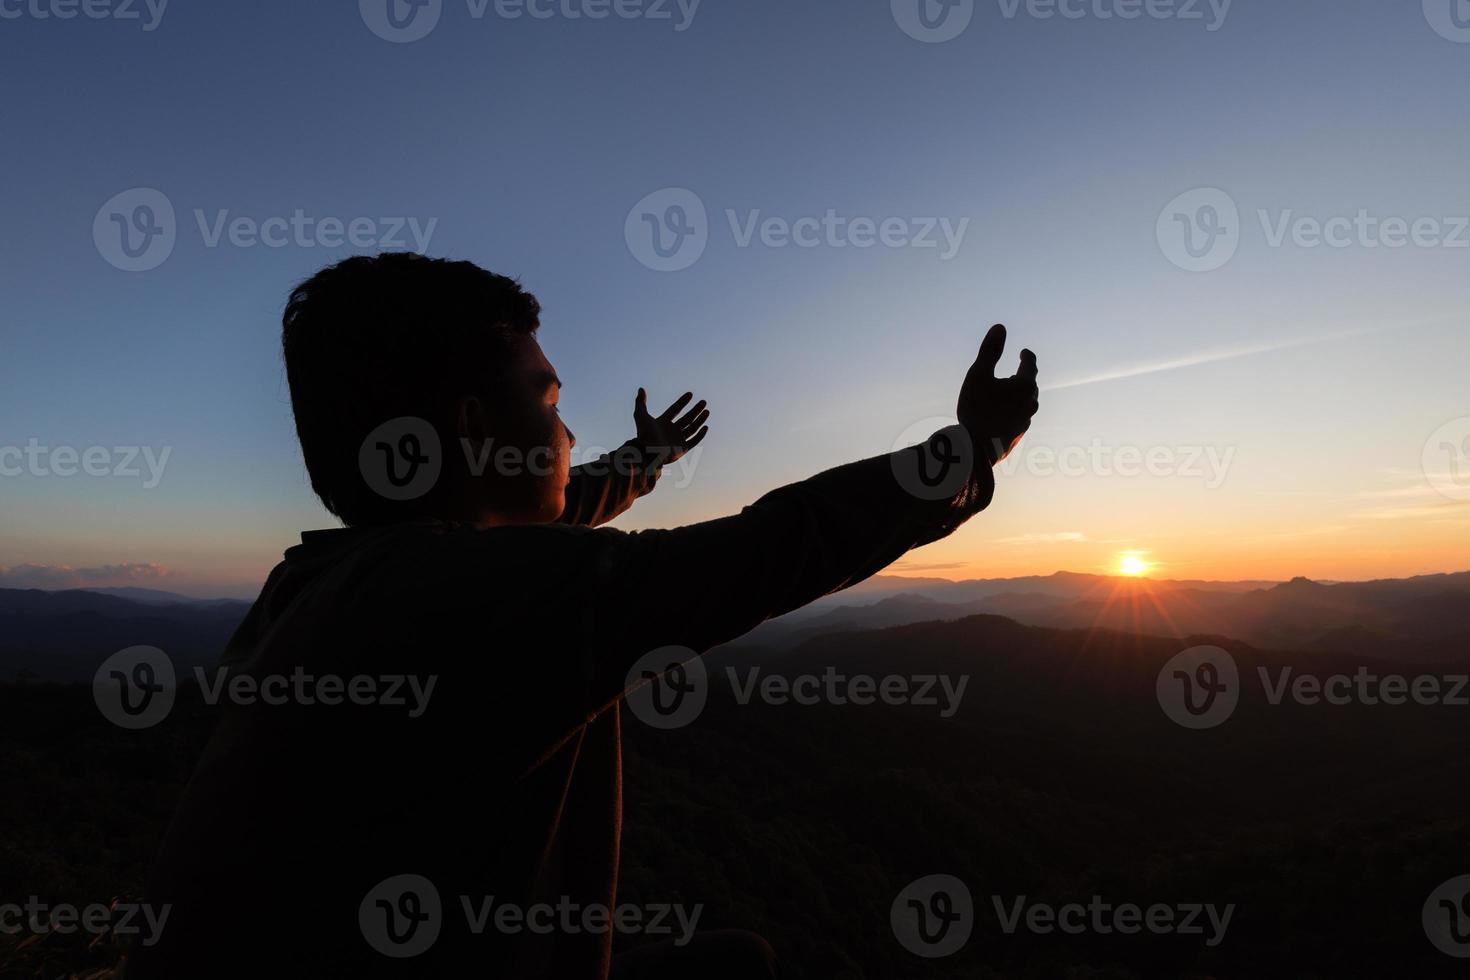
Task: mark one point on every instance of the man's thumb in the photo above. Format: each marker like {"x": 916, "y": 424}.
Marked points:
{"x": 991, "y": 348}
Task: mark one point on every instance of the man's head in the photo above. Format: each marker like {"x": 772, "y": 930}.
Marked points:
{"x": 375, "y": 340}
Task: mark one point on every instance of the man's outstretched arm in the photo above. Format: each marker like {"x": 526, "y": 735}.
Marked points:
{"x": 705, "y": 584}
{"x": 601, "y": 490}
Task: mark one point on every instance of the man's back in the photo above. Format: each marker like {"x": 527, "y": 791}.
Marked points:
{"x": 451, "y": 755}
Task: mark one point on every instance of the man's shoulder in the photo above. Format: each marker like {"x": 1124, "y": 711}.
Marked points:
{"x": 432, "y": 550}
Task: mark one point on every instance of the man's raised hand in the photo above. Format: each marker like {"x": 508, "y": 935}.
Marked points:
{"x": 997, "y": 411}
{"x": 670, "y": 435}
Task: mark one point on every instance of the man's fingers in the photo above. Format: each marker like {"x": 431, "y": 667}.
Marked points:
{"x": 687, "y": 422}
{"x": 991, "y": 348}
{"x": 673, "y": 409}
{"x": 1028, "y": 367}
{"x": 640, "y": 403}
{"x": 693, "y": 422}
{"x": 698, "y": 437}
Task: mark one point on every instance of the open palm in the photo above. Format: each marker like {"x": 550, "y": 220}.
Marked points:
{"x": 670, "y": 434}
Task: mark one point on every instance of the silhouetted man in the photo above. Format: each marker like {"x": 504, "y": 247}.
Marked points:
{"x": 361, "y": 837}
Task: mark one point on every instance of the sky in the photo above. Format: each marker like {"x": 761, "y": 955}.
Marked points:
{"x": 1234, "y": 233}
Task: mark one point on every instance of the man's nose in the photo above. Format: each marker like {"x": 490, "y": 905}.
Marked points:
{"x": 571, "y": 437}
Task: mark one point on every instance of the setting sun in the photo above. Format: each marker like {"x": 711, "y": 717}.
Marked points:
{"x": 1133, "y": 565}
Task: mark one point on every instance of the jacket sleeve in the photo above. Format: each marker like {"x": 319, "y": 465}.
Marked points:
{"x": 601, "y": 490}
{"x": 708, "y": 583}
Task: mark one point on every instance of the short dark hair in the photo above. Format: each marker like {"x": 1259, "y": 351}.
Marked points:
{"x": 374, "y": 338}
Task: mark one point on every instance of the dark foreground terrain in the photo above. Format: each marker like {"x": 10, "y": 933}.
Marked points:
{"x": 1058, "y": 777}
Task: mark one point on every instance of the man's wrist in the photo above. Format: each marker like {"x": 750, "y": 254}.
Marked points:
{"x": 637, "y": 458}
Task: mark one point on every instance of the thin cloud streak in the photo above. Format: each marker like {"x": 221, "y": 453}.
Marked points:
{"x": 1248, "y": 350}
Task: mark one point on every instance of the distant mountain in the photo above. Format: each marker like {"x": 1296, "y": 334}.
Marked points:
{"x": 65, "y": 635}
{"x": 1423, "y": 618}
{"x": 1057, "y": 584}
{"x": 159, "y": 597}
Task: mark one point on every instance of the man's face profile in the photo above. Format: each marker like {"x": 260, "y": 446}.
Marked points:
{"x": 517, "y": 447}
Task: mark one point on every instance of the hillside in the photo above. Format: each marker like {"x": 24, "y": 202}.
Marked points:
{"x": 1057, "y": 777}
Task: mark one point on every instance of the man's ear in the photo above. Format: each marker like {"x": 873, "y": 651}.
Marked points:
{"x": 471, "y": 419}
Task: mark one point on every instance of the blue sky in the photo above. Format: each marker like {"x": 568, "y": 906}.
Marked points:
{"x": 524, "y": 143}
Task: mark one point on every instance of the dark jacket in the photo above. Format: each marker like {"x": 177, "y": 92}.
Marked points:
{"x": 509, "y": 783}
